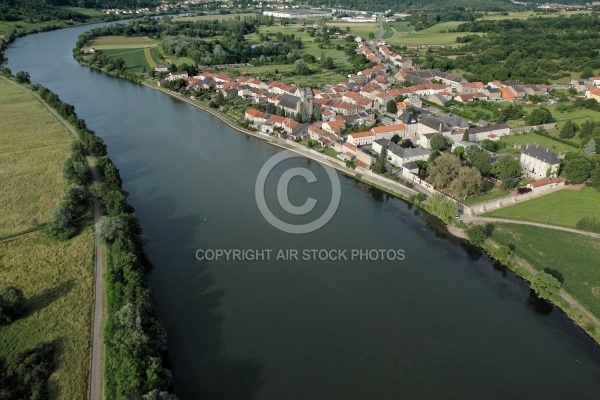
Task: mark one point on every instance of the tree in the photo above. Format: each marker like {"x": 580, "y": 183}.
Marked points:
{"x": 478, "y": 234}
{"x": 508, "y": 170}
{"x": 395, "y": 139}
{"x": 578, "y": 169}
{"x": 595, "y": 178}
{"x": 379, "y": 165}
{"x": 587, "y": 129}
{"x": 300, "y": 67}
{"x": 467, "y": 183}
{"x": 109, "y": 227}
{"x": 539, "y": 116}
{"x": 480, "y": 159}
{"x": 587, "y": 73}
{"x": 465, "y": 136}
{"x": 12, "y": 304}
{"x": 545, "y": 285}
{"x": 371, "y": 35}
{"x": 444, "y": 169}
{"x": 391, "y": 107}
{"x": 62, "y": 225}
{"x": 156, "y": 395}
{"x": 589, "y": 148}
{"x": 438, "y": 142}
{"x": 568, "y": 130}
{"x": 23, "y": 77}
{"x": 443, "y": 208}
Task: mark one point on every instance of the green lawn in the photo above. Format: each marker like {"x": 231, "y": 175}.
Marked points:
{"x": 524, "y": 139}
{"x": 578, "y": 116}
{"x": 564, "y": 207}
{"x": 487, "y": 196}
{"x": 570, "y": 256}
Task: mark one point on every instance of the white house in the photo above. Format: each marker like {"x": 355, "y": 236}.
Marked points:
{"x": 539, "y": 162}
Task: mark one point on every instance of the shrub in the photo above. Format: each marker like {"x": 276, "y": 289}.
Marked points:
{"x": 12, "y": 304}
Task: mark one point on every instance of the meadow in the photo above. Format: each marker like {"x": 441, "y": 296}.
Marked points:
{"x": 136, "y": 60}
{"x": 215, "y": 16}
{"x": 564, "y": 207}
{"x": 55, "y": 276}
{"x": 34, "y": 145}
{"x": 122, "y": 42}
{"x": 57, "y": 280}
{"x": 357, "y": 28}
{"x": 571, "y": 257}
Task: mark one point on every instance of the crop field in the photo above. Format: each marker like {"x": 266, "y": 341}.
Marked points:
{"x": 57, "y": 279}
{"x": 122, "y": 42}
{"x": 136, "y": 60}
{"x": 564, "y": 207}
{"x": 572, "y": 257}
{"x": 33, "y": 146}
{"x": 55, "y": 276}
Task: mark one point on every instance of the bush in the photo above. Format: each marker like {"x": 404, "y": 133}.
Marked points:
{"x": 62, "y": 224}
{"x": 589, "y": 224}
{"x": 12, "y": 304}
{"x": 478, "y": 234}
{"x": 545, "y": 285}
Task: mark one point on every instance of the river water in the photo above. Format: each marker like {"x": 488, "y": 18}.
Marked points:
{"x": 442, "y": 323}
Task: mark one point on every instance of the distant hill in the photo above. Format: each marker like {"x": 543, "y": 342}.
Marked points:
{"x": 45, "y": 10}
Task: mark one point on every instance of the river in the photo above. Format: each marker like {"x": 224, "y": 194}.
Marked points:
{"x": 442, "y": 323}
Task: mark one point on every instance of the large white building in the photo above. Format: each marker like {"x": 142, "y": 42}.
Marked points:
{"x": 538, "y": 162}
{"x": 298, "y": 13}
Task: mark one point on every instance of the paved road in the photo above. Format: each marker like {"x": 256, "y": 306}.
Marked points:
{"x": 475, "y": 219}
{"x": 97, "y": 348}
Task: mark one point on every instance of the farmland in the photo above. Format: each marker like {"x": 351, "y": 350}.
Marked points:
{"x": 56, "y": 277}
{"x": 216, "y": 16}
{"x": 122, "y": 42}
{"x": 136, "y": 60}
{"x": 564, "y": 207}
{"x": 571, "y": 257}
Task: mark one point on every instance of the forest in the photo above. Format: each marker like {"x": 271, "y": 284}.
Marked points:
{"x": 537, "y": 50}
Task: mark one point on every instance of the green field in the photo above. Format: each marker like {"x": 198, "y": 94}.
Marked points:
{"x": 524, "y": 139}
{"x": 569, "y": 256}
{"x": 136, "y": 60}
{"x": 56, "y": 277}
{"x": 434, "y": 35}
{"x": 487, "y": 196}
{"x": 528, "y": 14}
{"x": 57, "y": 280}
{"x": 122, "y": 42}
{"x": 33, "y": 146}
{"x": 357, "y": 28}
{"x": 86, "y": 11}
{"x": 578, "y": 116}
{"x": 398, "y": 26}
{"x": 564, "y": 207}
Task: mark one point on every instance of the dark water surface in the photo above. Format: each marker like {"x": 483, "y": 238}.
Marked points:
{"x": 443, "y": 323}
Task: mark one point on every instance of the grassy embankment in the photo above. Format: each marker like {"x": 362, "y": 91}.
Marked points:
{"x": 571, "y": 257}
{"x": 56, "y": 277}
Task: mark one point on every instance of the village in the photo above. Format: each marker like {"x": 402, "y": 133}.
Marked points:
{"x": 284, "y": 111}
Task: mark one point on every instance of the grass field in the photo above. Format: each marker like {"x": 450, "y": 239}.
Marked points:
{"x": 578, "y": 116}
{"x": 6, "y": 26}
{"x": 564, "y": 207}
{"x": 528, "y": 14}
{"x": 570, "y": 256}
{"x": 122, "y": 42}
{"x": 33, "y": 145}
{"x": 86, "y": 11}
{"x": 357, "y": 28}
{"x": 434, "y": 35}
{"x": 524, "y": 139}
{"x": 56, "y": 277}
{"x": 487, "y": 196}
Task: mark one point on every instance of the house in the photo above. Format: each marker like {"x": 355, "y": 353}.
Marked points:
{"x": 388, "y": 131}
{"x": 361, "y": 138}
{"x": 173, "y": 76}
{"x": 161, "y": 68}
{"x": 398, "y": 155}
{"x": 593, "y": 93}
{"x": 539, "y": 162}
{"x": 485, "y": 132}
{"x": 470, "y": 87}
{"x": 425, "y": 140}
{"x": 595, "y": 80}
{"x": 579, "y": 84}
{"x": 492, "y": 93}
{"x": 255, "y": 116}
{"x": 290, "y": 103}
{"x": 334, "y": 126}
